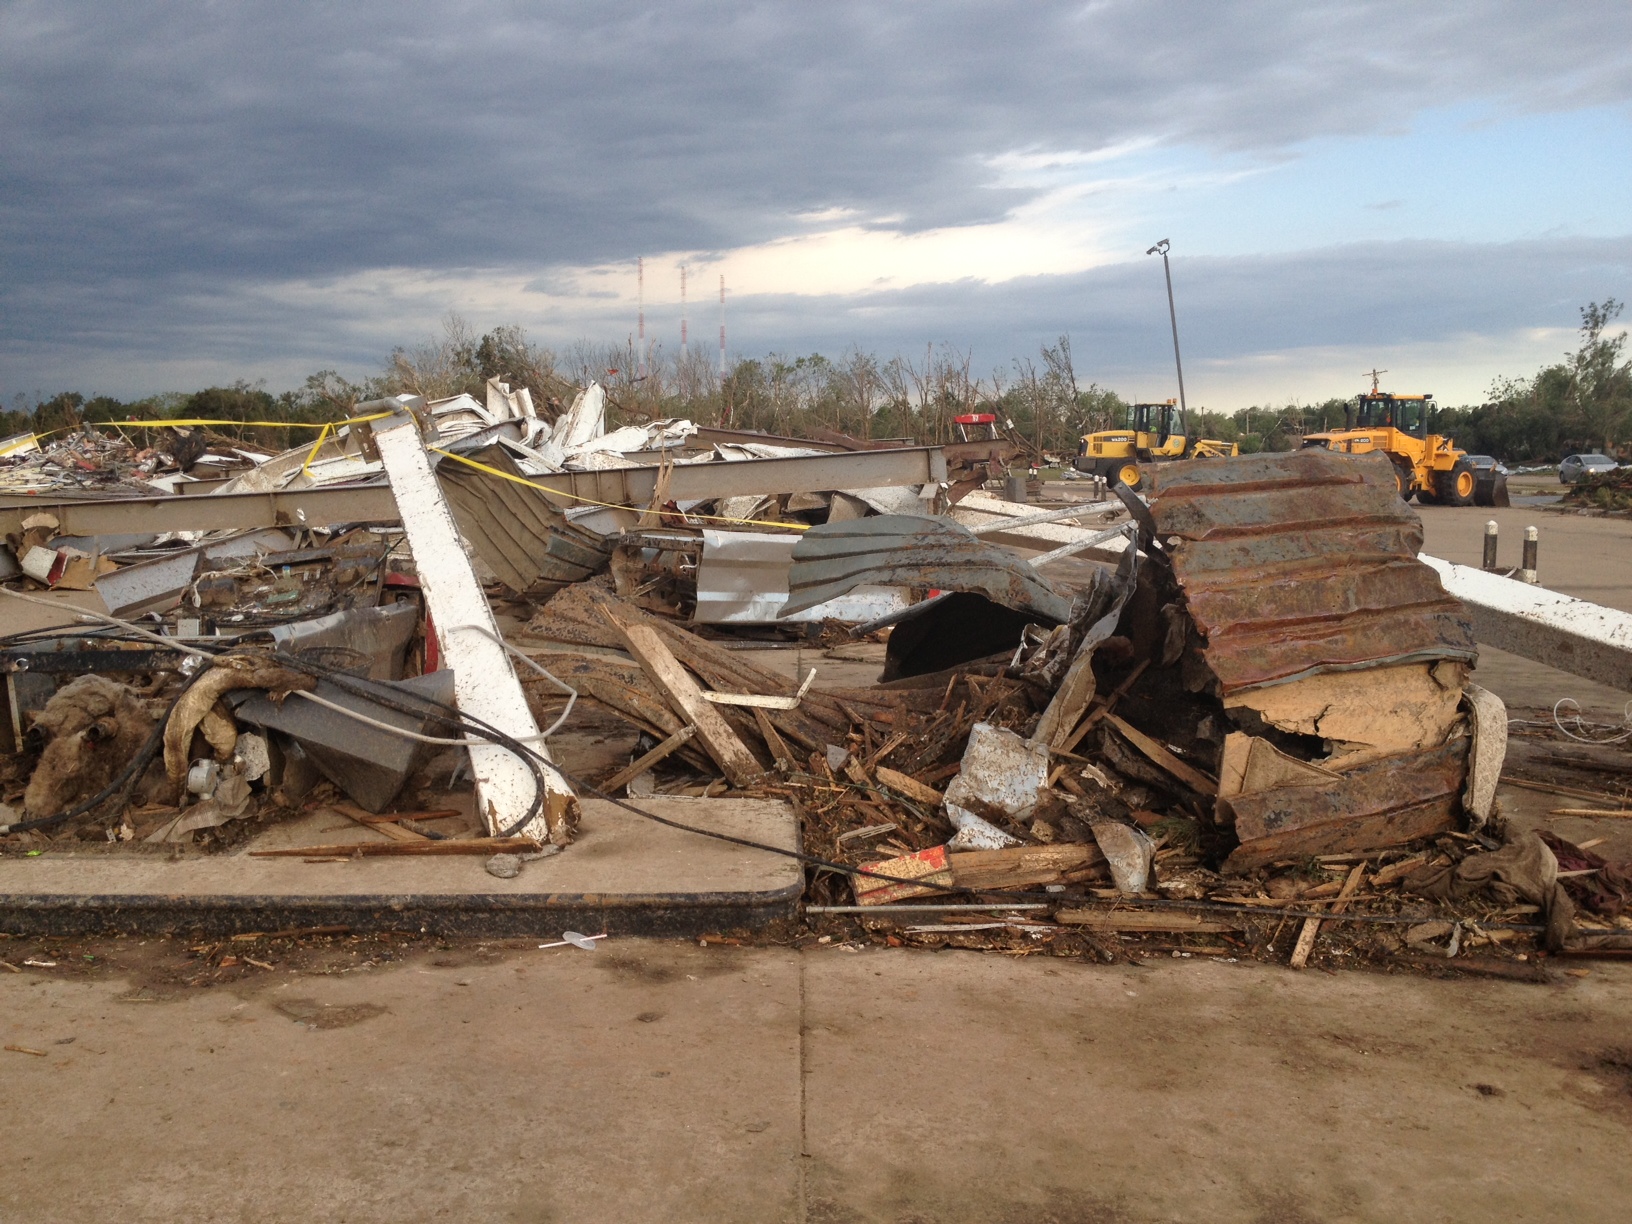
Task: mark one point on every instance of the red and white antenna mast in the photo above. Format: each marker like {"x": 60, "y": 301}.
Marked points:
{"x": 722, "y": 325}
{"x": 640, "y": 299}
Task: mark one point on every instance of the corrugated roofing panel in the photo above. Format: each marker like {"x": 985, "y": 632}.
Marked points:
{"x": 1302, "y": 562}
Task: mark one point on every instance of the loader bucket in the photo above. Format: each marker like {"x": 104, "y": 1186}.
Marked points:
{"x": 1491, "y": 489}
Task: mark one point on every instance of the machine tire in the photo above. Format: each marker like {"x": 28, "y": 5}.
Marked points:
{"x": 1457, "y": 486}
{"x": 1402, "y": 482}
{"x": 1122, "y": 472}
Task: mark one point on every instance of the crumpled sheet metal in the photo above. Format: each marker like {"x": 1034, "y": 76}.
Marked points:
{"x": 516, "y": 530}
{"x": 1299, "y": 563}
{"x": 914, "y": 551}
{"x": 1000, "y": 773}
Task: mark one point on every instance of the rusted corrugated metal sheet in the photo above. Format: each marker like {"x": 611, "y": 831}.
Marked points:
{"x": 1299, "y": 563}
{"x": 911, "y": 551}
{"x": 515, "y": 530}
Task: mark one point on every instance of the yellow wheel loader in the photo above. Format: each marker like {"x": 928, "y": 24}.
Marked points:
{"x": 1431, "y": 466}
{"x": 1157, "y": 434}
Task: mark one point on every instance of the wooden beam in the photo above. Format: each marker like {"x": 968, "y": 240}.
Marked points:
{"x": 1188, "y": 774}
{"x": 475, "y": 845}
{"x": 686, "y": 696}
{"x": 633, "y": 770}
{"x": 1311, "y": 926}
{"x": 774, "y": 743}
{"x": 908, "y": 786}
{"x": 1144, "y": 920}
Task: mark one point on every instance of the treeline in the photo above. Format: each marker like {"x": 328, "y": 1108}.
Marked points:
{"x": 1584, "y": 402}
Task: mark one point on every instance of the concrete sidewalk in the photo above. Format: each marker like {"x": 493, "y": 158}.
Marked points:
{"x": 662, "y": 1081}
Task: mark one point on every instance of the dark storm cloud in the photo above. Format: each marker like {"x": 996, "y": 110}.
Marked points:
{"x": 1366, "y": 296}
{"x": 162, "y": 164}
{"x": 278, "y": 140}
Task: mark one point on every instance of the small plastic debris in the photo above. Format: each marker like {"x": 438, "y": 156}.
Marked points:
{"x": 586, "y": 942}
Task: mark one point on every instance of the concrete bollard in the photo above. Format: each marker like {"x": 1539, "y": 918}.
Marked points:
{"x": 1490, "y": 546}
{"x": 1527, "y": 572}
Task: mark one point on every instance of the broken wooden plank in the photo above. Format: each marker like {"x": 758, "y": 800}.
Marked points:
{"x": 389, "y": 827}
{"x": 926, "y": 866}
{"x": 1591, "y": 812}
{"x": 1021, "y": 866}
{"x": 1104, "y": 707}
{"x": 774, "y": 744}
{"x": 1311, "y": 926}
{"x": 908, "y": 786}
{"x": 634, "y": 769}
{"x": 475, "y": 845}
{"x": 1145, "y": 920}
{"x": 686, "y": 696}
{"x": 761, "y": 701}
{"x": 1184, "y": 772}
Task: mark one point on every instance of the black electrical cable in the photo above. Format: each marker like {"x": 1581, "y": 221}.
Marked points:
{"x": 454, "y": 719}
{"x": 417, "y": 705}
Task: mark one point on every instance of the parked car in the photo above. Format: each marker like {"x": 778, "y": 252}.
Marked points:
{"x": 1576, "y": 466}
{"x": 1484, "y": 463}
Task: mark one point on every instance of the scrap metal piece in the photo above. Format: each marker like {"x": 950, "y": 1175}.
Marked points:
{"x": 485, "y": 684}
{"x": 913, "y": 551}
{"x": 516, "y": 530}
{"x": 1299, "y": 563}
{"x": 1381, "y": 803}
{"x": 742, "y": 578}
{"x": 369, "y": 764}
{"x": 379, "y": 634}
{"x": 1001, "y": 774}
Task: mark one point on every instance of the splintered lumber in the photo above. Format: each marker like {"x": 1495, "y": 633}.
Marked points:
{"x": 1188, "y": 774}
{"x": 388, "y": 827}
{"x": 633, "y": 770}
{"x": 474, "y": 845}
{"x": 907, "y": 786}
{"x": 1021, "y": 866}
{"x": 1311, "y": 926}
{"x": 774, "y": 743}
{"x": 929, "y": 866}
{"x": 1104, "y": 707}
{"x": 684, "y": 694}
{"x": 1593, "y": 812}
{"x": 1176, "y": 922}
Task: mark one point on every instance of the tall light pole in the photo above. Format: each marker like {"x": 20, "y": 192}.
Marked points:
{"x": 1161, "y": 249}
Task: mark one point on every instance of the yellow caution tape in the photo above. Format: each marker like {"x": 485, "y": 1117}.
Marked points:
{"x": 192, "y": 422}
{"x": 590, "y": 501}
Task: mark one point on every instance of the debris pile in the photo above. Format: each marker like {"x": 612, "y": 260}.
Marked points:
{"x": 1611, "y": 491}
{"x": 87, "y": 460}
{"x": 1232, "y": 710}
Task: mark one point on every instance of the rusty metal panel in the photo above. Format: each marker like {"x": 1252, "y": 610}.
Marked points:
{"x": 1298, "y": 563}
{"x": 1383, "y": 803}
{"x": 913, "y": 551}
{"x": 515, "y": 529}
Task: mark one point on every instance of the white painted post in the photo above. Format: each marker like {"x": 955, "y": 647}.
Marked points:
{"x": 484, "y": 683}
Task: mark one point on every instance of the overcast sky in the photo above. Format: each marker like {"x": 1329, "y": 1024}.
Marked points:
{"x": 194, "y": 193}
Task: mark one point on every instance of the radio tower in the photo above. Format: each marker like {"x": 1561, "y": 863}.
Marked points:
{"x": 722, "y": 325}
{"x": 682, "y": 329}
{"x": 640, "y": 298}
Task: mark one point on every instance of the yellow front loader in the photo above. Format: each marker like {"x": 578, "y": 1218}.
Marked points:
{"x": 1157, "y": 434}
{"x": 1429, "y": 465}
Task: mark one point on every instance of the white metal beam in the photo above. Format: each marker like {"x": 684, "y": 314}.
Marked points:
{"x": 1585, "y": 639}
{"x": 484, "y": 683}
